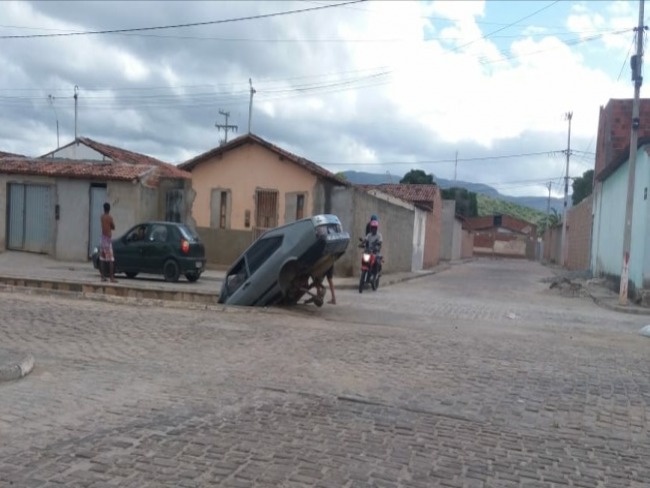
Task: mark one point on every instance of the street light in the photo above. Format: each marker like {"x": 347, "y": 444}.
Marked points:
{"x": 50, "y": 98}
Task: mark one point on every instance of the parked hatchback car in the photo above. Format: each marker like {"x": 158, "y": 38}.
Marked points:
{"x": 280, "y": 266}
{"x": 165, "y": 248}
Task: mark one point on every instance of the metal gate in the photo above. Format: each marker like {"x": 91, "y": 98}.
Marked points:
{"x": 174, "y": 206}
{"x": 31, "y": 212}
{"x": 97, "y": 199}
{"x": 266, "y": 211}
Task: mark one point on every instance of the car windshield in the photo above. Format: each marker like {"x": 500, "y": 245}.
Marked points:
{"x": 188, "y": 234}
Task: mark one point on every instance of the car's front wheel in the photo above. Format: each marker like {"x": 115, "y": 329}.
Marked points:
{"x": 131, "y": 274}
{"x": 171, "y": 272}
{"x": 192, "y": 277}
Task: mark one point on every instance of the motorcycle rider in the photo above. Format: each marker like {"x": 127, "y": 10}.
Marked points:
{"x": 372, "y": 217}
{"x": 374, "y": 240}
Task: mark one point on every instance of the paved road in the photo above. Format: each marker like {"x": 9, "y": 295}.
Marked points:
{"x": 476, "y": 377}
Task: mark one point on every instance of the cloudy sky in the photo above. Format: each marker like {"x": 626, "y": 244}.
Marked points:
{"x": 374, "y": 86}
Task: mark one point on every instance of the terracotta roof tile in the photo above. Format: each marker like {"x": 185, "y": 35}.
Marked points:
{"x": 124, "y": 156}
{"x": 421, "y": 194}
{"x": 305, "y": 163}
{"x": 76, "y": 169}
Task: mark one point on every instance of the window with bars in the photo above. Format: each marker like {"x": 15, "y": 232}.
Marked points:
{"x": 300, "y": 207}
{"x": 223, "y": 209}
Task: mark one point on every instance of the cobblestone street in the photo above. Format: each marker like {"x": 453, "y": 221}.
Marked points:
{"x": 476, "y": 377}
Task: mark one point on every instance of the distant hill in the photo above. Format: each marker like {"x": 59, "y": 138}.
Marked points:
{"x": 490, "y": 206}
{"x": 536, "y": 203}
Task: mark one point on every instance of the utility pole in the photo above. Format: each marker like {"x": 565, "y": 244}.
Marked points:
{"x": 637, "y": 77}
{"x": 226, "y": 127}
{"x": 250, "y": 105}
{"x": 569, "y": 116}
{"x": 76, "y": 94}
{"x": 56, "y": 116}
{"x": 548, "y": 205}
{"x": 456, "y": 166}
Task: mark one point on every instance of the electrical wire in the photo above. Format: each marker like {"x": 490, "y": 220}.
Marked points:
{"x": 626, "y": 57}
{"x": 506, "y": 26}
{"x": 178, "y": 26}
{"x": 445, "y": 161}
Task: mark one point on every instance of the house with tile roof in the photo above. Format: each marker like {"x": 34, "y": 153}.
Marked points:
{"x": 53, "y": 202}
{"x": 249, "y": 185}
{"x": 427, "y": 218}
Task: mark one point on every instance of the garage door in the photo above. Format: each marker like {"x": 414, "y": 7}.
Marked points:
{"x": 31, "y": 216}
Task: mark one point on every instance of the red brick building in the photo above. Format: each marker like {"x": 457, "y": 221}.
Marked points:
{"x": 503, "y": 236}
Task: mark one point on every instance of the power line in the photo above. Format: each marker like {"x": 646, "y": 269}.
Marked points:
{"x": 443, "y": 161}
{"x": 177, "y": 26}
{"x": 506, "y": 26}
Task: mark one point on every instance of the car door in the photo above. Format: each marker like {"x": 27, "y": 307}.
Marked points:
{"x": 158, "y": 246}
{"x": 130, "y": 256}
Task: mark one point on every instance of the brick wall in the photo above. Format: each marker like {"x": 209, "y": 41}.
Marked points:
{"x": 467, "y": 248}
{"x": 578, "y": 238}
{"x": 552, "y": 242}
{"x": 579, "y": 235}
{"x": 614, "y": 128}
{"x": 432, "y": 238}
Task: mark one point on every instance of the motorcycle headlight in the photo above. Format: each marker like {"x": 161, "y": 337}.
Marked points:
{"x": 366, "y": 257}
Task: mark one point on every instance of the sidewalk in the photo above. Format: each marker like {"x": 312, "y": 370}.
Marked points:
{"x": 37, "y": 271}
{"x": 598, "y": 290}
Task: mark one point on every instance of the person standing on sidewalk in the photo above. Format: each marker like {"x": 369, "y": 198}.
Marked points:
{"x": 106, "y": 244}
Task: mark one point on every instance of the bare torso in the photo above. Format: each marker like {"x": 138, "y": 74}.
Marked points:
{"x": 107, "y": 225}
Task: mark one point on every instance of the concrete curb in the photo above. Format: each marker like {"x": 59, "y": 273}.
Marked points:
{"x": 618, "y": 308}
{"x": 15, "y": 371}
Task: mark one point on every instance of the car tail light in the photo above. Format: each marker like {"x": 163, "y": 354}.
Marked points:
{"x": 185, "y": 246}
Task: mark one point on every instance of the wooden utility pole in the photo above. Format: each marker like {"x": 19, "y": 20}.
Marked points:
{"x": 636, "y": 63}
{"x": 569, "y": 116}
{"x": 226, "y": 127}
{"x": 250, "y": 105}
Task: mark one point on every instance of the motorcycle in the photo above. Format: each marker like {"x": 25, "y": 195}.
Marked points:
{"x": 370, "y": 267}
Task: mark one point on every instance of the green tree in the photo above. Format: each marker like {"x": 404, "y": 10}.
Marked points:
{"x": 582, "y": 186}
{"x": 466, "y": 201}
{"x": 341, "y": 175}
{"x": 550, "y": 220}
{"x": 417, "y": 176}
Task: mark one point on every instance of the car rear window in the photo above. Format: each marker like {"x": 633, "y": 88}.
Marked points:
{"x": 323, "y": 230}
{"x": 188, "y": 234}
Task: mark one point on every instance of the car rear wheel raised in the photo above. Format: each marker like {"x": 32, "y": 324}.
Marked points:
{"x": 192, "y": 277}
{"x": 171, "y": 272}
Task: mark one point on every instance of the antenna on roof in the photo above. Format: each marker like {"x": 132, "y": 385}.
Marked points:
{"x": 50, "y": 98}
{"x": 226, "y": 127}
{"x": 76, "y": 94}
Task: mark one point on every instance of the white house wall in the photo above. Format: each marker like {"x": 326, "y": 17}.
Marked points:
{"x": 456, "y": 240}
{"x": 419, "y": 227}
{"x": 609, "y": 223}
{"x": 124, "y": 198}
{"x": 78, "y": 151}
